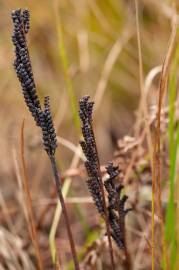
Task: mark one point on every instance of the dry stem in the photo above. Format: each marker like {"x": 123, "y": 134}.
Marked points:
{"x": 64, "y": 210}
{"x": 28, "y": 201}
{"x": 162, "y": 91}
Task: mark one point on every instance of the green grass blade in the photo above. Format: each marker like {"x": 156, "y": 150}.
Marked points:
{"x": 65, "y": 65}
{"x": 173, "y": 146}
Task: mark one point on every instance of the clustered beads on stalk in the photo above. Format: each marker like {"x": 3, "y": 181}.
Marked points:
{"x": 23, "y": 68}
{"x": 89, "y": 149}
{"x": 48, "y": 131}
{"x": 26, "y": 20}
{"x": 115, "y": 210}
{"x": 41, "y": 116}
{"x": 22, "y": 63}
{"x": 116, "y": 204}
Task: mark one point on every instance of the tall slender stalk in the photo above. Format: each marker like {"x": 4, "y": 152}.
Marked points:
{"x": 162, "y": 91}
{"x": 171, "y": 216}
{"x": 42, "y": 116}
{"x": 64, "y": 210}
{"x": 95, "y": 182}
{"x": 28, "y": 201}
{"x": 144, "y": 114}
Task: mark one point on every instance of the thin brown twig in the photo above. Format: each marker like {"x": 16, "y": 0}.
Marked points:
{"x": 143, "y": 102}
{"x": 127, "y": 263}
{"x": 134, "y": 157}
{"x": 46, "y": 209}
{"x": 28, "y": 201}
{"x": 64, "y": 210}
{"x": 144, "y": 112}
{"x": 162, "y": 91}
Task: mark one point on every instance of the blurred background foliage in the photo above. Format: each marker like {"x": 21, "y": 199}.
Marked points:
{"x": 100, "y": 42}
{"x": 90, "y": 30}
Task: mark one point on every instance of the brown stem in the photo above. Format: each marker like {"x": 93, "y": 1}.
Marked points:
{"x": 64, "y": 210}
{"x": 157, "y": 154}
{"x": 28, "y": 201}
{"x": 121, "y": 221}
{"x": 127, "y": 262}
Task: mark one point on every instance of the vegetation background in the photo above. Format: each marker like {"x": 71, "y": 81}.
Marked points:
{"x": 76, "y": 48}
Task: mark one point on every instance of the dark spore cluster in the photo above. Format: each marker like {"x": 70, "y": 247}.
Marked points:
{"x": 22, "y": 63}
{"x": 116, "y": 206}
{"x": 116, "y": 203}
{"x": 90, "y": 151}
{"x": 23, "y": 68}
{"x": 26, "y": 20}
{"x": 48, "y": 131}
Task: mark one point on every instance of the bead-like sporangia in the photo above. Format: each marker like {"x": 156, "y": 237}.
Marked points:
{"x": 41, "y": 116}
{"x": 116, "y": 204}
{"x": 23, "y": 68}
{"x": 115, "y": 209}
{"x": 22, "y": 63}
{"x": 89, "y": 148}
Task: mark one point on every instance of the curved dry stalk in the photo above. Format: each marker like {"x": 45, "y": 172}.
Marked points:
{"x": 71, "y": 146}
{"x": 149, "y": 79}
{"x": 144, "y": 112}
{"x": 162, "y": 91}
{"x": 28, "y": 201}
{"x": 108, "y": 65}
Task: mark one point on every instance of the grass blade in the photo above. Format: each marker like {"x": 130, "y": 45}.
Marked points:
{"x": 65, "y": 65}
{"x": 173, "y": 147}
